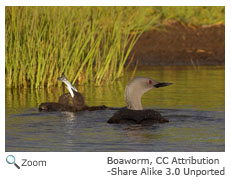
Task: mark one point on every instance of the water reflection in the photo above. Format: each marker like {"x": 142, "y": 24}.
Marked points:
{"x": 194, "y": 104}
{"x": 203, "y": 88}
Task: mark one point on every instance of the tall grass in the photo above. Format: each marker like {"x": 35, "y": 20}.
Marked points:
{"x": 88, "y": 44}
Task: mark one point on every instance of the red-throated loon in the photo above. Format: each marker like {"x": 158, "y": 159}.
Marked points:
{"x": 134, "y": 112}
{"x": 78, "y": 101}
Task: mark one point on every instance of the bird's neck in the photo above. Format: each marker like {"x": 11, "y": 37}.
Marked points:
{"x": 133, "y": 99}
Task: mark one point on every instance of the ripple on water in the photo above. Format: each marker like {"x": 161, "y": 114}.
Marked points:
{"x": 194, "y": 107}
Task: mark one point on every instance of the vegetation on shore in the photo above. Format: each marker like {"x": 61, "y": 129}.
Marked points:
{"x": 88, "y": 44}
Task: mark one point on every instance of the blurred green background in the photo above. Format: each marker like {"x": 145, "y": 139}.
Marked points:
{"x": 90, "y": 44}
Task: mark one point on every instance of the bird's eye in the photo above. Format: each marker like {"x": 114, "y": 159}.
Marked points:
{"x": 150, "y": 81}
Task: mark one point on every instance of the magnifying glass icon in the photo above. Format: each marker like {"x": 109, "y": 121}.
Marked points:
{"x": 10, "y": 159}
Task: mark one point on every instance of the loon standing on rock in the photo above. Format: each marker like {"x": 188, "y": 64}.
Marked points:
{"x": 78, "y": 101}
{"x": 134, "y": 112}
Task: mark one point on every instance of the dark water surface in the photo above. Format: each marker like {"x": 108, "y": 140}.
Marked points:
{"x": 195, "y": 106}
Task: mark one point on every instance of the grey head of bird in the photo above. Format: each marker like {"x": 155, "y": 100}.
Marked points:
{"x": 136, "y": 88}
{"x": 69, "y": 86}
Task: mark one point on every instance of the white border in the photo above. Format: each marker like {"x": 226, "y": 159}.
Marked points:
{"x": 90, "y": 168}
{"x": 228, "y": 78}
{"x": 116, "y": 3}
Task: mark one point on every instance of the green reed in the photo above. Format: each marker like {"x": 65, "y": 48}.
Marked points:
{"x": 88, "y": 44}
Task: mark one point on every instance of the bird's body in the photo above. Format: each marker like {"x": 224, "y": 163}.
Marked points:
{"x": 77, "y": 102}
{"x": 53, "y": 106}
{"x": 128, "y": 116}
{"x": 73, "y": 101}
{"x": 134, "y": 112}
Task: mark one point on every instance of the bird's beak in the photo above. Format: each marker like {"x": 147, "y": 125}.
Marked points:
{"x": 162, "y": 85}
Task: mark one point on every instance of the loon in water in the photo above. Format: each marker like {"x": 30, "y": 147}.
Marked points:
{"x": 134, "y": 112}
{"x": 78, "y": 101}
